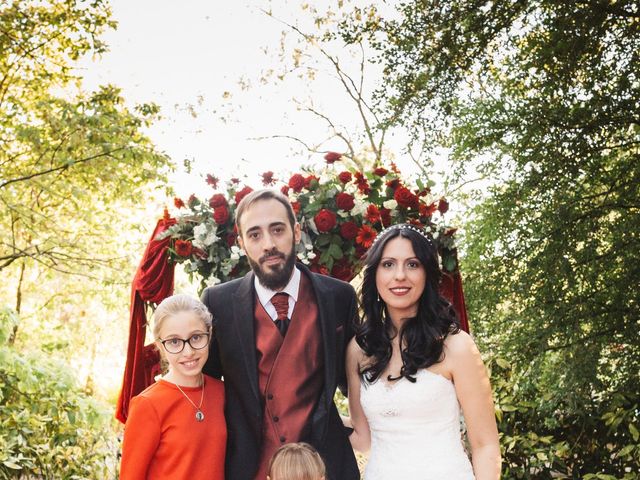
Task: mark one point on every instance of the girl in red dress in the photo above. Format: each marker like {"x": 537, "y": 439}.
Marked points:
{"x": 175, "y": 428}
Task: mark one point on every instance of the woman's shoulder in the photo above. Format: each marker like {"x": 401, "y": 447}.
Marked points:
{"x": 460, "y": 347}
{"x": 158, "y": 388}
{"x": 213, "y": 383}
{"x": 459, "y": 344}
{"x": 355, "y": 353}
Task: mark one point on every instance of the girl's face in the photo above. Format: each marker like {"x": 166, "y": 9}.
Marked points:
{"x": 185, "y": 367}
{"x": 400, "y": 278}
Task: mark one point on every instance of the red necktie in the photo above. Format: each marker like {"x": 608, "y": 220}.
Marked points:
{"x": 281, "y": 302}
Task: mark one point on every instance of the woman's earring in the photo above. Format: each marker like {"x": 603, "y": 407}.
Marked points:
{"x": 382, "y": 305}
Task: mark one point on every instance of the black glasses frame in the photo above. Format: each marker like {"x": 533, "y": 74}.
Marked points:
{"x": 184, "y": 342}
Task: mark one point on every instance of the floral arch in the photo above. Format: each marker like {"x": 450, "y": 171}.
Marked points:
{"x": 340, "y": 210}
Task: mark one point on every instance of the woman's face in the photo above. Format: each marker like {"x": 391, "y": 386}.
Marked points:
{"x": 400, "y": 278}
{"x": 186, "y": 365}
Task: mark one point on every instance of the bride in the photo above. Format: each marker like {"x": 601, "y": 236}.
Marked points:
{"x": 410, "y": 369}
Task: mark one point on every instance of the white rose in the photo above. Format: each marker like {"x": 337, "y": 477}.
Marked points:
{"x": 390, "y": 204}
{"x": 200, "y": 230}
{"x": 360, "y": 208}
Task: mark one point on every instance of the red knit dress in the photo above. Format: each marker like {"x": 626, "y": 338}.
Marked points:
{"x": 163, "y": 440}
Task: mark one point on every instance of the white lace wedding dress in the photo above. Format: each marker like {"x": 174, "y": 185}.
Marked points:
{"x": 415, "y": 430}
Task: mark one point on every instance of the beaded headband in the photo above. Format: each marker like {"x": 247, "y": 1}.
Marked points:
{"x": 401, "y": 226}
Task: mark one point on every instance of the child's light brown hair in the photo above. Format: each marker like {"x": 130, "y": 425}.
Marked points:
{"x": 296, "y": 461}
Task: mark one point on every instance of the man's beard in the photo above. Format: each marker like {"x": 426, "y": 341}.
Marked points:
{"x": 277, "y": 277}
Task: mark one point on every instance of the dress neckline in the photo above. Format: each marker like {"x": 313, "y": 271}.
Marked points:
{"x": 391, "y": 385}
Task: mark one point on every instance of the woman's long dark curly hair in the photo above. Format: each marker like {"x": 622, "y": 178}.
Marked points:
{"x": 421, "y": 337}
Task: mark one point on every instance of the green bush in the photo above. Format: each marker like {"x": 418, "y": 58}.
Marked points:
{"x": 49, "y": 428}
{"x": 544, "y": 436}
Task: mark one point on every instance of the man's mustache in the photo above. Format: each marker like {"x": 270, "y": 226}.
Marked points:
{"x": 271, "y": 254}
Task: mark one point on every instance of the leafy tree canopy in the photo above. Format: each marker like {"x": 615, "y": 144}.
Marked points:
{"x": 542, "y": 98}
{"x": 70, "y": 160}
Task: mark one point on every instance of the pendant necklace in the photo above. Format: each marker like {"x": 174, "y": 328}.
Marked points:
{"x": 199, "y": 414}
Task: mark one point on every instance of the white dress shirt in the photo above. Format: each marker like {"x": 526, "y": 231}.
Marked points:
{"x": 265, "y": 294}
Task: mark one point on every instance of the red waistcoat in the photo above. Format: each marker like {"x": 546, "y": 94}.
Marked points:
{"x": 290, "y": 372}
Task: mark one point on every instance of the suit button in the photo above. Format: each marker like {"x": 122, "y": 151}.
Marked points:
{"x": 282, "y": 439}
{"x": 270, "y": 396}
{"x": 276, "y": 419}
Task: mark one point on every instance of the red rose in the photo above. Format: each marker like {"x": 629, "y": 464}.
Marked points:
{"x": 393, "y": 184}
{"x": 344, "y": 201}
{"x": 385, "y": 217}
{"x": 405, "y": 198}
{"x": 192, "y": 200}
{"x": 178, "y": 202}
{"x": 344, "y": 177}
{"x": 332, "y": 157}
{"x": 308, "y": 180}
{"x": 348, "y": 230}
{"x": 183, "y": 248}
{"x": 342, "y": 270}
{"x": 427, "y": 210}
{"x": 321, "y": 269}
{"x": 285, "y": 189}
{"x": 213, "y": 181}
{"x": 362, "y": 183}
{"x": 366, "y": 236}
{"x": 267, "y": 178}
{"x": 443, "y": 206}
{"x": 325, "y": 220}
{"x": 296, "y": 182}
{"x": 296, "y": 207}
{"x": 218, "y": 200}
{"x": 231, "y": 239}
{"x": 373, "y": 214}
{"x": 243, "y": 193}
{"x": 221, "y": 214}
{"x": 381, "y": 172}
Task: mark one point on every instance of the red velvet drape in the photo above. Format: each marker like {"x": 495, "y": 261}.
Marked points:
{"x": 153, "y": 282}
{"x": 451, "y": 289}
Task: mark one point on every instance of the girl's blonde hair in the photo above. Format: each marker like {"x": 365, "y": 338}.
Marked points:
{"x": 176, "y": 304}
{"x": 296, "y": 461}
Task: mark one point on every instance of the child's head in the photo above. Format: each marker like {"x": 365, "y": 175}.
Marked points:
{"x": 182, "y": 329}
{"x": 296, "y": 461}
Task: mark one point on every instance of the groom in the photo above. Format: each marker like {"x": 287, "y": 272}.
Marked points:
{"x": 280, "y": 336}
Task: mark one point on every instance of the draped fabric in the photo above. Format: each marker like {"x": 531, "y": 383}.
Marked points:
{"x": 153, "y": 282}
{"x": 451, "y": 289}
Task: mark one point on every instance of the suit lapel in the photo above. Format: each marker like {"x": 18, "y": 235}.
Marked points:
{"x": 243, "y": 304}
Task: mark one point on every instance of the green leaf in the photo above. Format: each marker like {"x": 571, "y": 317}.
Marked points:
{"x": 12, "y": 465}
{"x": 323, "y": 239}
{"x": 335, "y": 251}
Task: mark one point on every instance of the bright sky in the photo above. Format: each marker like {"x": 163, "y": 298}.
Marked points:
{"x": 186, "y": 57}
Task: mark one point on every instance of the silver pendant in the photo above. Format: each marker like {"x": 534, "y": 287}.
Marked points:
{"x": 199, "y": 416}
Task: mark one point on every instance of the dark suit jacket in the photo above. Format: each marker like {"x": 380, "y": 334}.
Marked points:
{"x": 233, "y": 356}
